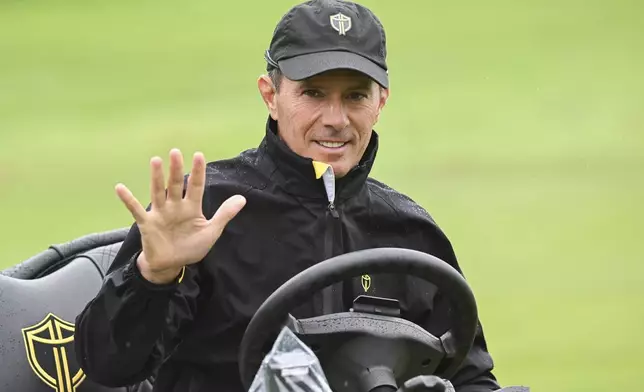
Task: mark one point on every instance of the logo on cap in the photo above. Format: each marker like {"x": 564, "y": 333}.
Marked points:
{"x": 341, "y": 23}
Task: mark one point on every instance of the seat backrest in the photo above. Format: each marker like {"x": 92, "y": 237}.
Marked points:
{"x": 37, "y": 325}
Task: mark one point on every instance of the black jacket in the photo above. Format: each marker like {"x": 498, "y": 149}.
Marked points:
{"x": 188, "y": 333}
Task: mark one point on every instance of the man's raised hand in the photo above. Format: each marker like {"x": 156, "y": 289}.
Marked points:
{"x": 174, "y": 232}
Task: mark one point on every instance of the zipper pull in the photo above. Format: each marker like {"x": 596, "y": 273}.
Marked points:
{"x": 333, "y": 211}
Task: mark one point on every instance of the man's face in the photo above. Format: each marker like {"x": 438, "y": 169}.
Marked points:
{"x": 329, "y": 117}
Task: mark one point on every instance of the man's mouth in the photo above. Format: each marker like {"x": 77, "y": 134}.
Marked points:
{"x": 331, "y": 144}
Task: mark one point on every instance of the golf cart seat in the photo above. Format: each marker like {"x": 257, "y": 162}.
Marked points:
{"x": 39, "y": 301}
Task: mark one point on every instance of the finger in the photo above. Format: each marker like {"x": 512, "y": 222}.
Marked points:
{"x": 157, "y": 188}
{"x": 175, "y": 181}
{"x": 226, "y": 212}
{"x": 197, "y": 179}
{"x": 131, "y": 203}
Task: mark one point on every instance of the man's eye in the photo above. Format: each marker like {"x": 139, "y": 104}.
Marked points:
{"x": 357, "y": 96}
{"x": 313, "y": 93}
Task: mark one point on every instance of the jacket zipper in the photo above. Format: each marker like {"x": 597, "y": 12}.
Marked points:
{"x": 333, "y": 211}
{"x": 332, "y": 217}
{"x": 325, "y": 172}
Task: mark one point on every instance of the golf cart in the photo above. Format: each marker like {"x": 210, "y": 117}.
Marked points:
{"x": 369, "y": 348}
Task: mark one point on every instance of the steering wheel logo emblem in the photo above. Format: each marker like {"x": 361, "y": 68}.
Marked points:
{"x": 50, "y": 353}
{"x": 366, "y": 282}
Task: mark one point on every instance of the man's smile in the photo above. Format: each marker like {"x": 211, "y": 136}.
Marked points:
{"x": 331, "y": 144}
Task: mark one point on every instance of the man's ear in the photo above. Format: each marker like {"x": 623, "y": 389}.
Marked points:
{"x": 384, "y": 95}
{"x": 269, "y": 94}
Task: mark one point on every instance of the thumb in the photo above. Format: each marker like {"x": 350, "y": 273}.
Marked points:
{"x": 225, "y": 213}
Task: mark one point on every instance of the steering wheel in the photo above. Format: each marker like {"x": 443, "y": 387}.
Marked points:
{"x": 452, "y": 347}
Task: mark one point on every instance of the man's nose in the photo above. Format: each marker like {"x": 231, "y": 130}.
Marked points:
{"x": 335, "y": 115}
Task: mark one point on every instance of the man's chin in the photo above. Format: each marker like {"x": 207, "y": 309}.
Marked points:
{"x": 339, "y": 169}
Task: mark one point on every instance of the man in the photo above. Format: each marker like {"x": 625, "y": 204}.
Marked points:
{"x": 211, "y": 248}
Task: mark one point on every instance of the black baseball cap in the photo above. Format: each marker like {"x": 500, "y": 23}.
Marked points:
{"x": 323, "y": 35}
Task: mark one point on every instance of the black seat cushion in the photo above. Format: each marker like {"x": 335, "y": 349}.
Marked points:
{"x": 36, "y": 323}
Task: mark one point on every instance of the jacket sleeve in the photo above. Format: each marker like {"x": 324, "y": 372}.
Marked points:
{"x": 132, "y": 325}
{"x": 431, "y": 310}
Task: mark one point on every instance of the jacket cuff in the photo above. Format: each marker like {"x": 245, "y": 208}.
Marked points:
{"x": 132, "y": 271}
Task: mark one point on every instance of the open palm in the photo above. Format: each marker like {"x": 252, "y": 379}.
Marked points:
{"x": 175, "y": 232}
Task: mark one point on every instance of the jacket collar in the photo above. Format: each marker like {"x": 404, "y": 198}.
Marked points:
{"x": 296, "y": 174}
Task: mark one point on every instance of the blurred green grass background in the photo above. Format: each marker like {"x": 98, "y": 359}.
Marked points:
{"x": 518, "y": 125}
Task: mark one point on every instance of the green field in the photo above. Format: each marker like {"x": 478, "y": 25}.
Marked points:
{"x": 518, "y": 125}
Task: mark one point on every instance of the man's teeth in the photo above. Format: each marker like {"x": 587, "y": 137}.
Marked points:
{"x": 332, "y": 144}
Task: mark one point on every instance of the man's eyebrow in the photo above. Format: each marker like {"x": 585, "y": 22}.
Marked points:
{"x": 307, "y": 83}
{"x": 362, "y": 84}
